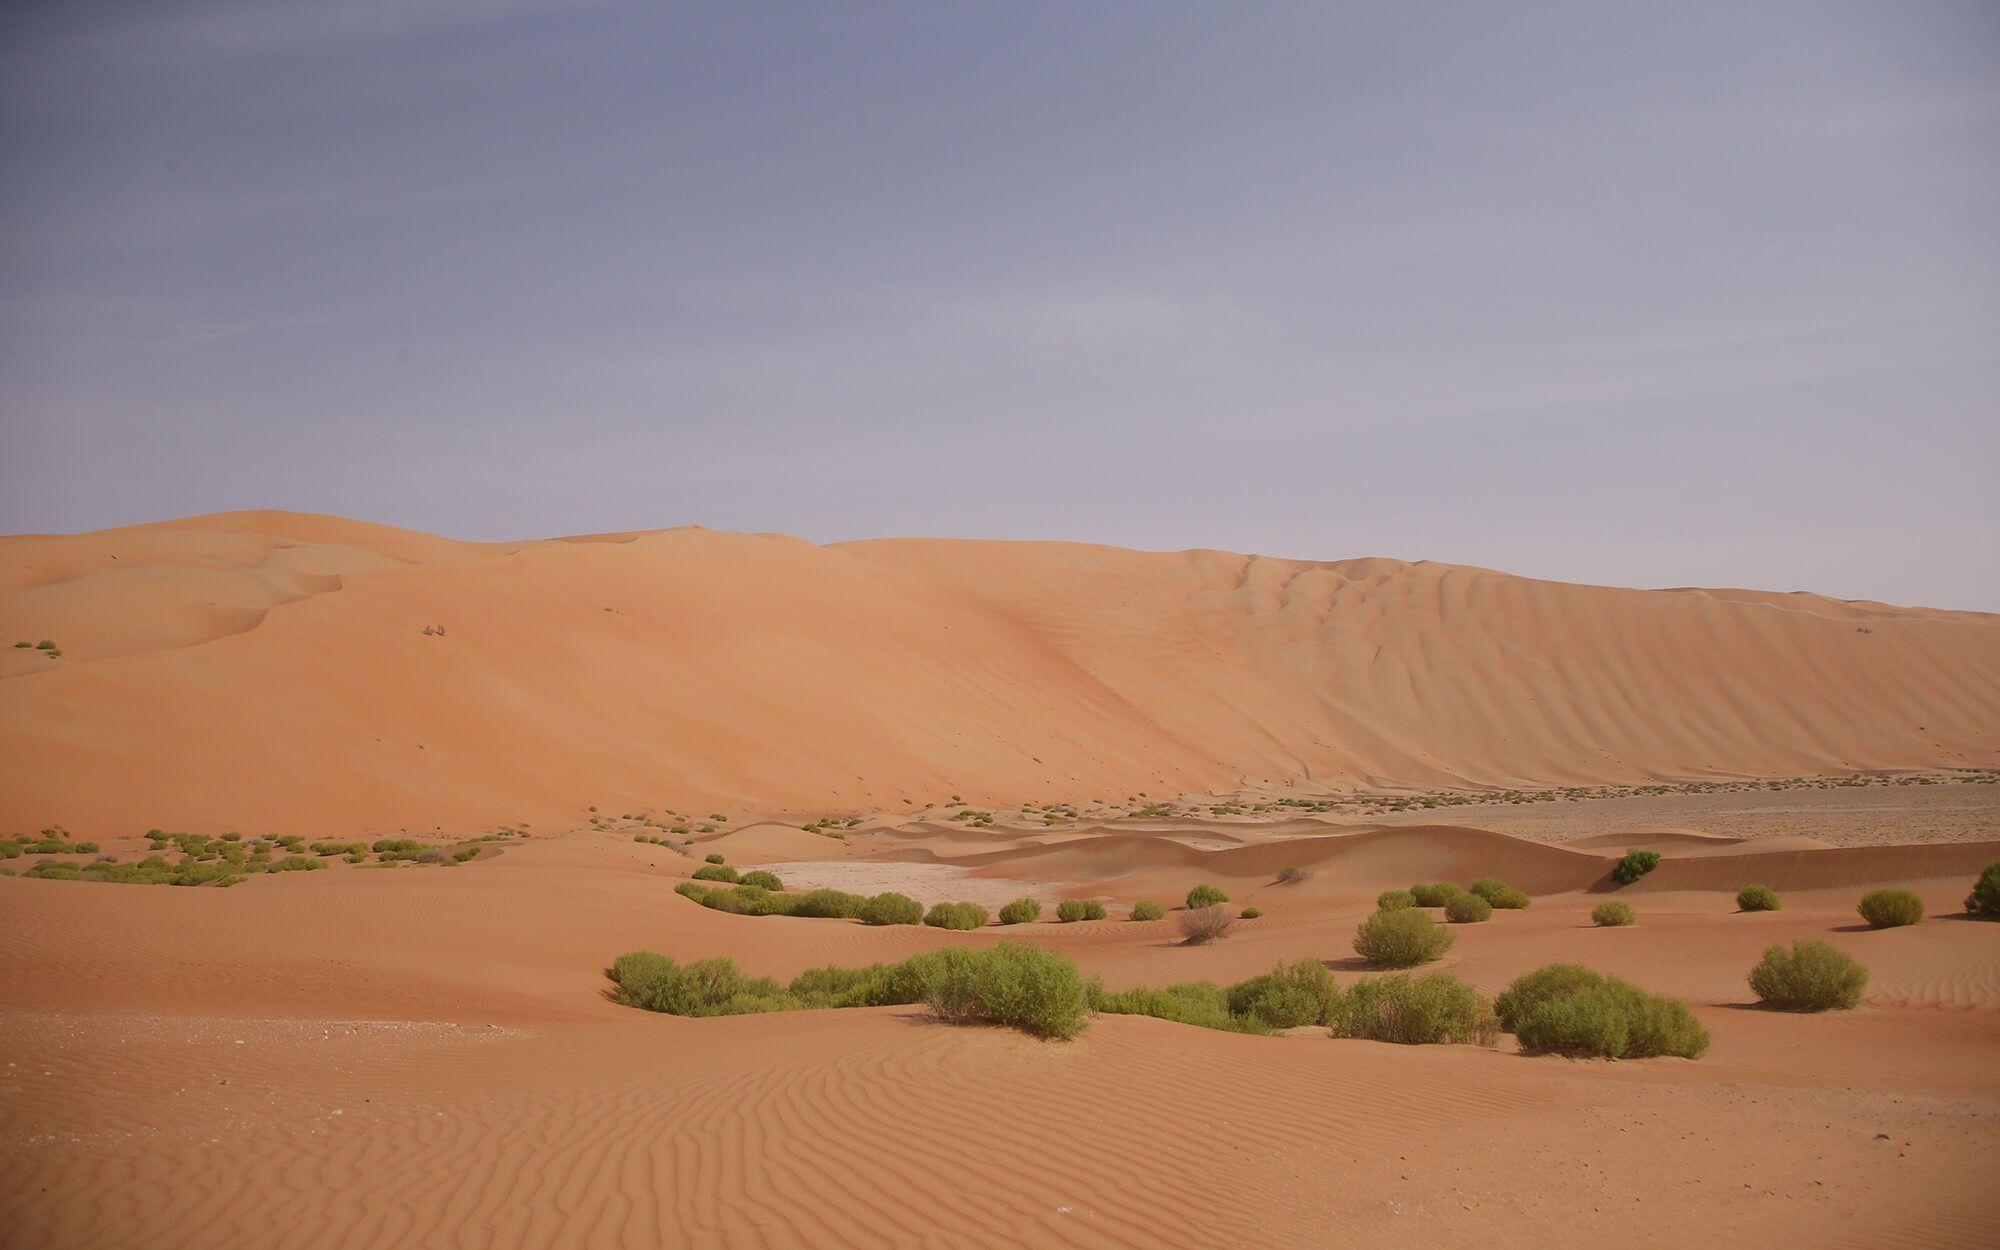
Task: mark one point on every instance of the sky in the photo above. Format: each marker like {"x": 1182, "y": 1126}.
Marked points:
{"x": 1648, "y": 295}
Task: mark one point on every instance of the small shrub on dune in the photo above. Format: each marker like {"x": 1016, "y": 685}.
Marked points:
{"x": 1436, "y": 894}
{"x": 713, "y": 857}
{"x": 1021, "y": 911}
{"x": 1467, "y": 909}
{"x": 1499, "y": 894}
{"x": 1569, "y": 1009}
{"x": 1205, "y": 896}
{"x": 1401, "y": 939}
{"x": 1252, "y": 913}
{"x": 1287, "y": 996}
{"x": 769, "y": 880}
{"x": 1890, "y": 909}
{"x": 716, "y": 872}
{"x": 1201, "y": 925}
{"x": 707, "y": 987}
{"x": 1026, "y": 987}
{"x": 1394, "y": 900}
{"x": 1415, "y": 1011}
{"x": 1985, "y": 897}
{"x": 1613, "y": 915}
{"x": 892, "y": 908}
{"x": 955, "y": 916}
{"x": 1147, "y": 909}
{"x": 1634, "y": 865}
{"x": 1292, "y": 876}
{"x": 829, "y": 905}
{"x": 1811, "y": 976}
{"x": 1757, "y": 898}
{"x": 1071, "y": 910}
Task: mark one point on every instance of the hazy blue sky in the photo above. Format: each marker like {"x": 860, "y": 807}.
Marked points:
{"x": 1639, "y": 294}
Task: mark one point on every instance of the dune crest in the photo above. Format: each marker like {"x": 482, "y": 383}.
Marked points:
{"x": 273, "y": 670}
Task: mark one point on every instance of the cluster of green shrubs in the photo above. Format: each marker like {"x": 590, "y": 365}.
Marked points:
{"x": 955, "y": 916}
{"x": 158, "y": 870}
{"x": 1012, "y": 983}
{"x": 751, "y": 899}
{"x": 53, "y": 841}
{"x": 1568, "y": 1009}
{"x": 1484, "y": 895}
{"x": 1438, "y": 1008}
{"x": 1071, "y": 910}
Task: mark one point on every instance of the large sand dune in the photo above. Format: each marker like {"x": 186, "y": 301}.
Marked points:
{"x": 272, "y": 670}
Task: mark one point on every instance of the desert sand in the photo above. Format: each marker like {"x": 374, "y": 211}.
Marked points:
{"x": 422, "y": 1055}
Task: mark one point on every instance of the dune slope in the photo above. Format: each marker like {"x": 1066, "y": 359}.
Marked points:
{"x": 273, "y": 671}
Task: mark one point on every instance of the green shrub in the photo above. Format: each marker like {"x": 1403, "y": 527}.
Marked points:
{"x": 1499, "y": 894}
{"x": 1021, "y": 911}
{"x": 1985, "y": 897}
{"x": 1635, "y": 865}
{"x": 829, "y": 904}
{"x": 295, "y": 863}
{"x": 1890, "y": 909}
{"x": 1811, "y": 976}
{"x": 707, "y": 987}
{"x": 1026, "y": 987}
{"x": 1467, "y": 909}
{"x": 1147, "y": 909}
{"x": 10, "y": 850}
{"x": 1394, "y": 900}
{"x": 1252, "y": 913}
{"x": 1436, "y": 894}
{"x": 716, "y": 872}
{"x": 1205, "y": 896}
{"x": 1569, "y": 1009}
{"x": 1401, "y": 939}
{"x": 1071, "y": 910}
{"x": 769, "y": 880}
{"x": 1199, "y": 1003}
{"x": 1437, "y": 1008}
{"x": 955, "y": 916}
{"x": 1757, "y": 898}
{"x": 892, "y": 908}
{"x": 1287, "y": 996}
{"x": 713, "y": 857}
{"x": 1612, "y": 915}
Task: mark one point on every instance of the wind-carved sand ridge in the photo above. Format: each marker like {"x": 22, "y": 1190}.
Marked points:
{"x": 272, "y": 670}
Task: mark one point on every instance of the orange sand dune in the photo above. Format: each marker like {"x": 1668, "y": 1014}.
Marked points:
{"x": 272, "y": 671}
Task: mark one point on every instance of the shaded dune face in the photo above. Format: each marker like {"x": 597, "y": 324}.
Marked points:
{"x": 273, "y": 670}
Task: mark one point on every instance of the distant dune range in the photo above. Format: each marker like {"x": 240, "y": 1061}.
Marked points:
{"x": 271, "y": 670}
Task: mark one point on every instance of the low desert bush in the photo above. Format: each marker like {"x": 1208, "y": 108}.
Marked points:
{"x": 1200, "y": 925}
{"x": 955, "y": 916}
{"x": 1021, "y": 911}
{"x": 829, "y": 904}
{"x": 1026, "y": 987}
{"x": 769, "y": 880}
{"x": 1811, "y": 976}
{"x": 1199, "y": 1003}
{"x": 1467, "y": 909}
{"x": 1147, "y": 909}
{"x": 1205, "y": 896}
{"x": 707, "y": 987}
{"x": 1634, "y": 865}
{"x": 716, "y": 872}
{"x": 1394, "y": 900}
{"x": 1890, "y": 909}
{"x": 892, "y": 908}
{"x": 1401, "y": 939}
{"x": 1985, "y": 897}
{"x": 1252, "y": 913}
{"x": 1569, "y": 1009}
{"x": 1071, "y": 910}
{"x": 1502, "y": 896}
{"x": 1437, "y": 1008}
{"x": 1612, "y": 915}
{"x": 1435, "y": 894}
{"x": 1292, "y": 876}
{"x": 1287, "y": 996}
{"x": 1757, "y": 898}
{"x": 714, "y": 857}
